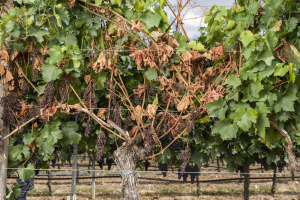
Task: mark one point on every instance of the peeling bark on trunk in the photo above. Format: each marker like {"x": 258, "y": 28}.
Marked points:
{"x": 125, "y": 157}
{"x": 5, "y": 129}
{"x": 246, "y": 181}
{"x": 294, "y": 165}
{"x": 199, "y": 192}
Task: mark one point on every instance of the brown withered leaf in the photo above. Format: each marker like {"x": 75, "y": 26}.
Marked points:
{"x": 4, "y": 55}
{"x": 101, "y": 63}
{"x": 164, "y": 52}
{"x": 35, "y": 125}
{"x": 44, "y": 51}
{"x": 21, "y": 83}
{"x": 210, "y": 95}
{"x": 108, "y": 38}
{"x": 14, "y": 55}
{"x": 140, "y": 91}
{"x": 184, "y": 103}
{"x": 165, "y": 84}
{"x": 65, "y": 107}
{"x": 186, "y": 56}
{"x": 30, "y": 46}
{"x": 151, "y": 110}
{"x": 33, "y": 145}
{"x": 87, "y": 79}
{"x": 195, "y": 88}
{"x": 133, "y": 130}
{"x": 2, "y": 70}
{"x": 25, "y": 107}
{"x": 20, "y": 72}
{"x": 101, "y": 113}
{"x": 10, "y": 80}
{"x": 37, "y": 64}
{"x": 138, "y": 113}
{"x": 170, "y": 40}
{"x": 1, "y": 129}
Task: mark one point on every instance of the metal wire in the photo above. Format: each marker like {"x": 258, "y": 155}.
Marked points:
{"x": 172, "y": 172}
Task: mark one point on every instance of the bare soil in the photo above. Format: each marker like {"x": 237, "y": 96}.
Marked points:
{"x": 149, "y": 189}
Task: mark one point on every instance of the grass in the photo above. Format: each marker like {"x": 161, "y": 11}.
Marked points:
{"x": 97, "y": 190}
{"x": 37, "y": 193}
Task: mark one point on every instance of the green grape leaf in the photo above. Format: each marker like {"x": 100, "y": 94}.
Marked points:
{"x": 69, "y": 133}
{"x": 233, "y": 80}
{"x": 245, "y": 117}
{"x": 26, "y": 173}
{"x": 151, "y": 19}
{"x": 52, "y": 133}
{"x": 292, "y": 24}
{"x": 226, "y": 129}
{"x": 255, "y": 88}
{"x": 151, "y": 74}
{"x": 55, "y": 55}
{"x": 45, "y": 147}
{"x": 253, "y": 7}
{"x": 203, "y": 120}
{"x": 285, "y": 103}
{"x": 28, "y": 138}
{"x": 217, "y": 108}
{"x": 38, "y": 33}
{"x": 98, "y": 2}
{"x": 196, "y": 46}
{"x": 139, "y": 6}
{"x": 262, "y": 108}
{"x": 261, "y": 125}
{"x": 14, "y": 192}
{"x": 230, "y": 24}
{"x": 247, "y": 37}
{"x": 280, "y": 69}
{"x": 100, "y": 79}
{"x": 50, "y": 73}
{"x": 266, "y": 56}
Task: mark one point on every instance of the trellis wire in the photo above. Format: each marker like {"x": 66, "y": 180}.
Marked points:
{"x": 172, "y": 172}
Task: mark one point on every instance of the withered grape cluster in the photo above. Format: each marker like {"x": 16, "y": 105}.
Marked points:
{"x": 185, "y": 158}
{"x": 101, "y": 141}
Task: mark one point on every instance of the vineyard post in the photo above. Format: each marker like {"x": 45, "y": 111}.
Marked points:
{"x": 293, "y": 176}
{"x": 93, "y": 180}
{"x": 74, "y": 172}
{"x": 199, "y": 193}
{"x": 273, "y": 189}
{"x": 5, "y": 129}
{"x": 49, "y": 181}
{"x": 246, "y": 181}
{"x": 218, "y": 163}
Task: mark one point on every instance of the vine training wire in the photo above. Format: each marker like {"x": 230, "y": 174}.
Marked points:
{"x": 172, "y": 172}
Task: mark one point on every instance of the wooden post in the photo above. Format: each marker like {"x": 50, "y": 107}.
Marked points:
{"x": 49, "y": 181}
{"x": 246, "y": 181}
{"x": 218, "y": 164}
{"x": 74, "y": 172}
{"x": 199, "y": 193}
{"x": 93, "y": 180}
{"x": 103, "y": 174}
{"x": 293, "y": 176}
{"x": 274, "y": 184}
{"x": 5, "y": 129}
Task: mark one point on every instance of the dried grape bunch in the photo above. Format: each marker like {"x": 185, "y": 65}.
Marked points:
{"x": 64, "y": 89}
{"x": 33, "y": 112}
{"x": 24, "y": 88}
{"x": 34, "y": 75}
{"x": 147, "y": 139}
{"x": 151, "y": 91}
{"x": 138, "y": 100}
{"x": 88, "y": 127}
{"x": 101, "y": 141}
{"x": 116, "y": 115}
{"x": 185, "y": 158}
{"x": 127, "y": 122}
{"x": 11, "y": 104}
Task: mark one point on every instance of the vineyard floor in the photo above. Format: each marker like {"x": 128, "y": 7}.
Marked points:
{"x": 149, "y": 189}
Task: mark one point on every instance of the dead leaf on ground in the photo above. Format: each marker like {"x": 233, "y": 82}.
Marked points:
{"x": 101, "y": 113}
